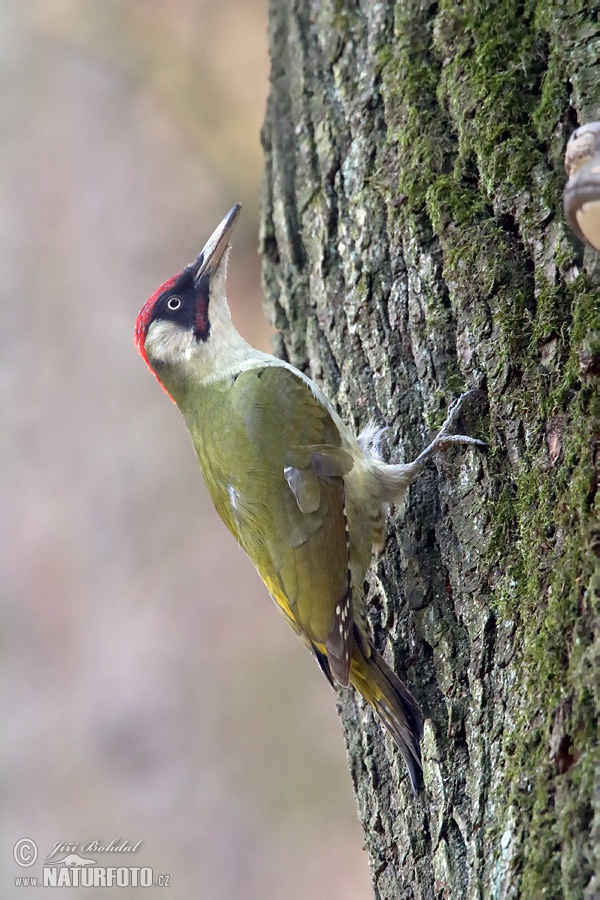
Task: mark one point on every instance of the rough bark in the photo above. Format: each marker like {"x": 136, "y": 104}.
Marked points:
{"x": 413, "y": 246}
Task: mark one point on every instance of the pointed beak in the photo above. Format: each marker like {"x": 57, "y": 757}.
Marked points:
{"x": 210, "y": 257}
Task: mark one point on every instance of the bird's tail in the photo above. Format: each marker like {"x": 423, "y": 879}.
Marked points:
{"x": 395, "y": 705}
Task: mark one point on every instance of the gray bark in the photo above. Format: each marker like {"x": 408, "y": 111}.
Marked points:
{"x": 413, "y": 246}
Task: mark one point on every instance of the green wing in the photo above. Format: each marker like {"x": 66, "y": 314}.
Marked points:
{"x": 285, "y": 503}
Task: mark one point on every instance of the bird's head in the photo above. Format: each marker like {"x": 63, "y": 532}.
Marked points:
{"x": 184, "y": 328}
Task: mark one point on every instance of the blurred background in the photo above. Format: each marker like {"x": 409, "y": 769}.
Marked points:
{"x": 150, "y": 689}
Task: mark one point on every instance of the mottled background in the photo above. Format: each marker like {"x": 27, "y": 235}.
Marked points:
{"x": 149, "y": 688}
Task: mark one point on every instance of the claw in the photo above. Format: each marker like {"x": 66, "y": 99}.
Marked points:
{"x": 444, "y": 439}
{"x": 442, "y": 442}
{"x": 394, "y": 480}
{"x": 456, "y": 407}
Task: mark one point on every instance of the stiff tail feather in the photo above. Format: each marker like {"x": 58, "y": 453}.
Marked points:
{"x": 395, "y": 705}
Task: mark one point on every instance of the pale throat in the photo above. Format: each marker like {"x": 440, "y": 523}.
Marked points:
{"x": 177, "y": 349}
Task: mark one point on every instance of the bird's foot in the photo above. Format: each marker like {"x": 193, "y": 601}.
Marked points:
{"x": 444, "y": 438}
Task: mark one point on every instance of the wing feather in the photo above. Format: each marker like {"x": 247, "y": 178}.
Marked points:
{"x": 289, "y": 505}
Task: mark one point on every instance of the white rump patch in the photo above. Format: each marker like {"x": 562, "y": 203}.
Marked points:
{"x": 369, "y": 439}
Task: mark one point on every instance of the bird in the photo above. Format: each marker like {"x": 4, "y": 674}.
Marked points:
{"x": 581, "y": 196}
{"x": 304, "y": 497}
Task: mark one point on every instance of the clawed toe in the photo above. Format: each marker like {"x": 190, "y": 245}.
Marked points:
{"x": 445, "y": 438}
{"x": 443, "y": 441}
{"x": 456, "y": 407}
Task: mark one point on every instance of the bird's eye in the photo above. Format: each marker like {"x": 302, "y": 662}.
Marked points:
{"x": 173, "y": 303}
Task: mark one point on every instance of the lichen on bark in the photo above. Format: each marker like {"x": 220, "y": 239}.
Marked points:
{"x": 414, "y": 245}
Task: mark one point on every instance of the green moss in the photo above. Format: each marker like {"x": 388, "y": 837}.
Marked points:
{"x": 545, "y": 517}
{"x": 449, "y": 200}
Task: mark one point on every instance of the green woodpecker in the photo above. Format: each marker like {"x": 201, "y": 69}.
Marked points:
{"x": 305, "y": 498}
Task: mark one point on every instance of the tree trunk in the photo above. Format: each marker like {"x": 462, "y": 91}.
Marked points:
{"x": 414, "y": 246}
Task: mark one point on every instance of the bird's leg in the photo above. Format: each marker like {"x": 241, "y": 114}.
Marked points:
{"x": 444, "y": 438}
{"x": 394, "y": 480}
